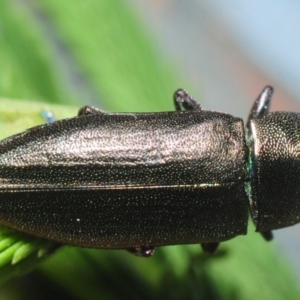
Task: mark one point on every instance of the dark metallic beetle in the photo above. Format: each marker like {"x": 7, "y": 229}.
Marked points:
{"x": 138, "y": 180}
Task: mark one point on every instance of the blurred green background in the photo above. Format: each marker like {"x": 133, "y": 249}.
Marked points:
{"x": 61, "y": 55}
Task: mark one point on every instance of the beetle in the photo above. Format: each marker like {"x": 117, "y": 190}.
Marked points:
{"x": 135, "y": 181}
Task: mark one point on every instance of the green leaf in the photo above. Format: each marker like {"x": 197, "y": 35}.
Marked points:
{"x": 28, "y": 68}
{"x": 19, "y": 253}
{"x": 115, "y": 53}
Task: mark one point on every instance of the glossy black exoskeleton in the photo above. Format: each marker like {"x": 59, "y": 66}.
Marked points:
{"x": 139, "y": 180}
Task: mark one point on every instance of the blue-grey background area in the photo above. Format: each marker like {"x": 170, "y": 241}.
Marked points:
{"x": 228, "y": 51}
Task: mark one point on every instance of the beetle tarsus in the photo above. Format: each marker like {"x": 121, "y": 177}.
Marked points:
{"x": 89, "y": 110}
{"x": 210, "y": 248}
{"x": 144, "y": 251}
{"x": 261, "y": 105}
{"x": 183, "y": 100}
{"x": 267, "y": 235}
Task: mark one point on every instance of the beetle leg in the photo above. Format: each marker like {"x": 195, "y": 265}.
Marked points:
{"x": 267, "y": 235}
{"x": 210, "y": 248}
{"x": 183, "y": 100}
{"x": 48, "y": 116}
{"x": 144, "y": 251}
{"x": 89, "y": 110}
{"x": 261, "y": 105}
